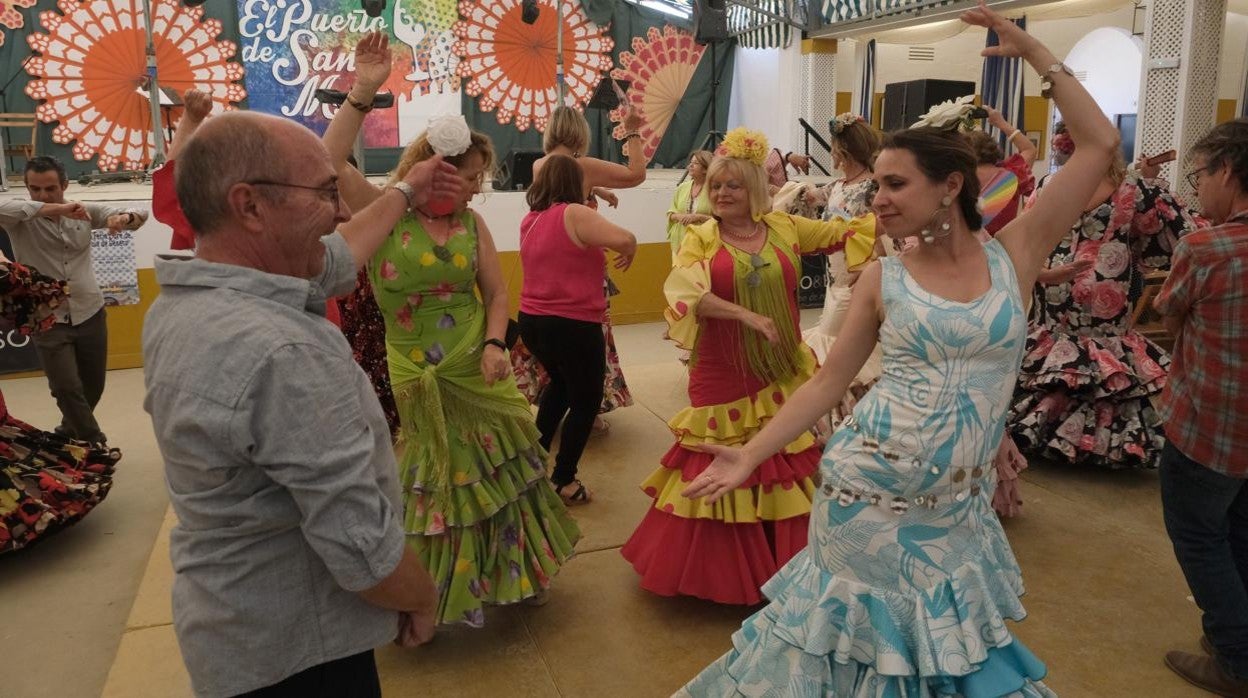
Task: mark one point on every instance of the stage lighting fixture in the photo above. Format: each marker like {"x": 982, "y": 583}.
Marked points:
{"x": 373, "y": 8}
{"x": 528, "y": 11}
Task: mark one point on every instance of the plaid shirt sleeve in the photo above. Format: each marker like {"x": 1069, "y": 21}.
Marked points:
{"x": 1182, "y": 288}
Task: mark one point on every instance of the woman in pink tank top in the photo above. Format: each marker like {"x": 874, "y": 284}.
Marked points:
{"x": 562, "y": 250}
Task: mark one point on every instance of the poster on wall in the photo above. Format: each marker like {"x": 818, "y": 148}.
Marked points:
{"x": 112, "y": 260}
{"x": 292, "y": 48}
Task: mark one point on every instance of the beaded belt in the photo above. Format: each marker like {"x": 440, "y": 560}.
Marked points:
{"x": 963, "y": 482}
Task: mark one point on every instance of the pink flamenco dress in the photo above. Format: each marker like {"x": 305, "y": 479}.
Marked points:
{"x": 724, "y": 552}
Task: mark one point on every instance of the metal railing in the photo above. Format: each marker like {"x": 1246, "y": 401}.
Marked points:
{"x": 809, "y": 133}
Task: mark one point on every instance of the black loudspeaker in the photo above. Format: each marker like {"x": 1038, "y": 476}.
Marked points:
{"x": 906, "y": 102}
{"x": 517, "y": 170}
{"x": 710, "y": 21}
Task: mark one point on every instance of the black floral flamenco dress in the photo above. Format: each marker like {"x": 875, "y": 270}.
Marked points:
{"x": 47, "y": 481}
{"x": 1088, "y": 378}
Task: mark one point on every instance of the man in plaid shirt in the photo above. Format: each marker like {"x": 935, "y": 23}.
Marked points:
{"x": 1204, "y": 467}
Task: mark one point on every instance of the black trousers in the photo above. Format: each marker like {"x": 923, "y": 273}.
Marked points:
{"x": 349, "y": 677}
{"x": 574, "y": 353}
{"x": 75, "y": 359}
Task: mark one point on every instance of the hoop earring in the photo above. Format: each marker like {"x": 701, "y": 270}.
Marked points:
{"x": 943, "y": 229}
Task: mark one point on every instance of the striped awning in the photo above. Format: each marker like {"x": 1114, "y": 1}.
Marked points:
{"x": 759, "y": 30}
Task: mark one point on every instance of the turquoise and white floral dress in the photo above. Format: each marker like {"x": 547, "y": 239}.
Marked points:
{"x": 908, "y": 580}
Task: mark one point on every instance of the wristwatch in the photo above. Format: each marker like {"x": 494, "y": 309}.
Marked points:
{"x": 494, "y": 342}
{"x": 1046, "y": 78}
{"x": 406, "y": 190}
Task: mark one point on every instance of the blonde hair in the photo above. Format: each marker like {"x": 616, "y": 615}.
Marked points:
{"x": 568, "y": 128}
{"x": 752, "y": 176}
{"x": 1117, "y": 167}
{"x": 420, "y": 150}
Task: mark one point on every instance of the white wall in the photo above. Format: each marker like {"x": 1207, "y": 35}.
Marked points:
{"x": 1113, "y": 61}
{"x": 957, "y": 58}
{"x": 641, "y": 211}
{"x": 765, "y": 93}
{"x": 1234, "y": 46}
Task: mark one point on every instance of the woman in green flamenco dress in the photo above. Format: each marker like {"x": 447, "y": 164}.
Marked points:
{"x": 477, "y": 505}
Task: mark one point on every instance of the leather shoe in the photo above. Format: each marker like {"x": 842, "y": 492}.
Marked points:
{"x": 1204, "y": 672}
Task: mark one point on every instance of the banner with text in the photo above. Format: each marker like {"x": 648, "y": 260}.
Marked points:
{"x": 292, "y": 48}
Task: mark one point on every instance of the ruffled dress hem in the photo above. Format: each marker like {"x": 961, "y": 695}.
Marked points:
{"x": 825, "y": 635}
{"x": 1083, "y": 399}
{"x": 724, "y": 552}
{"x": 500, "y": 532}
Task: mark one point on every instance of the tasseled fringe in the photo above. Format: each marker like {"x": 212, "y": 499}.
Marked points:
{"x": 770, "y": 362}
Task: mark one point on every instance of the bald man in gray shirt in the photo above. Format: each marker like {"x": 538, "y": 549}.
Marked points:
{"x": 289, "y": 556}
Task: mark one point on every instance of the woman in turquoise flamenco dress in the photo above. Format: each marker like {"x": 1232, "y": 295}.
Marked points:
{"x": 478, "y": 508}
{"x": 908, "y": 580}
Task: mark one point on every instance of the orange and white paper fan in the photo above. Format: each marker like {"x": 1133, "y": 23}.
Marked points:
{"x": 510, "y": 65}
{"x": 93, "y": 68}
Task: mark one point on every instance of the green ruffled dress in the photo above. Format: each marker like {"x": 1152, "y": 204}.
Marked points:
{"x": 477, "y": 506}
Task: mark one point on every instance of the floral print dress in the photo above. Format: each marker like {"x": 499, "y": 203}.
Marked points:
{"x": 47, "y": 481}
{"x": 477, "y": 507}
{"x": 1085, "y": 390}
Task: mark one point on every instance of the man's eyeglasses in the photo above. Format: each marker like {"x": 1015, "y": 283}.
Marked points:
{"x": 1193, "y": 177}
{"x": 330, "y": 193}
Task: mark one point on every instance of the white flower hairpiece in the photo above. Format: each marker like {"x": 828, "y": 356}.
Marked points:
{"x": 843, "y": 120}
{"x": 954, "y": 114}
{"x": 449, "y": 135}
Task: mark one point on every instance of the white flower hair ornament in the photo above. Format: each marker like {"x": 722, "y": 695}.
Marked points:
{"x": 843, "y": 120}
{"x": 953, "y": 115}
{"x": 449, "y": 135}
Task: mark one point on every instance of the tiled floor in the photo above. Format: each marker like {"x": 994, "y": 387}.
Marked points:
{"x": 1105, "y": 595}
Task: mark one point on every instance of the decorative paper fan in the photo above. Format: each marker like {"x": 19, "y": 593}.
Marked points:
{"x": 510, "y": 65}
{"x": 659, "y": 68}
{"x": 93, "y": 64}
{"x": 10, "y": 17}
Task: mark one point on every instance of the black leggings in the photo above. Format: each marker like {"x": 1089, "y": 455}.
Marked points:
{"x": 574, "y": 353}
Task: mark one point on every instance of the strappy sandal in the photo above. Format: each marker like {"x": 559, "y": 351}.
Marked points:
{"x": 578, "y": 497}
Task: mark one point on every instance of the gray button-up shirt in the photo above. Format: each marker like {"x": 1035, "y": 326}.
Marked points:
{"x": 61, "y": 249}
{"x": 280, "y": 469}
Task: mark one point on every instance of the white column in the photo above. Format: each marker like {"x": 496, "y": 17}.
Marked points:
{"x": 1178, "y": 90}
{"x": 817, "y": 94}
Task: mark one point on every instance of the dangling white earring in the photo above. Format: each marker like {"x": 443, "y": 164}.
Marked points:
{"x": 927, "y": 235}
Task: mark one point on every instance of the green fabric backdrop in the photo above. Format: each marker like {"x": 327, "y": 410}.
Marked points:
{"x": 685, "y": 133}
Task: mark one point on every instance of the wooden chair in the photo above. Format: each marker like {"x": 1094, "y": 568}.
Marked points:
{"x": 16, "y": 121}
{"x": 1146, "y": 320}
